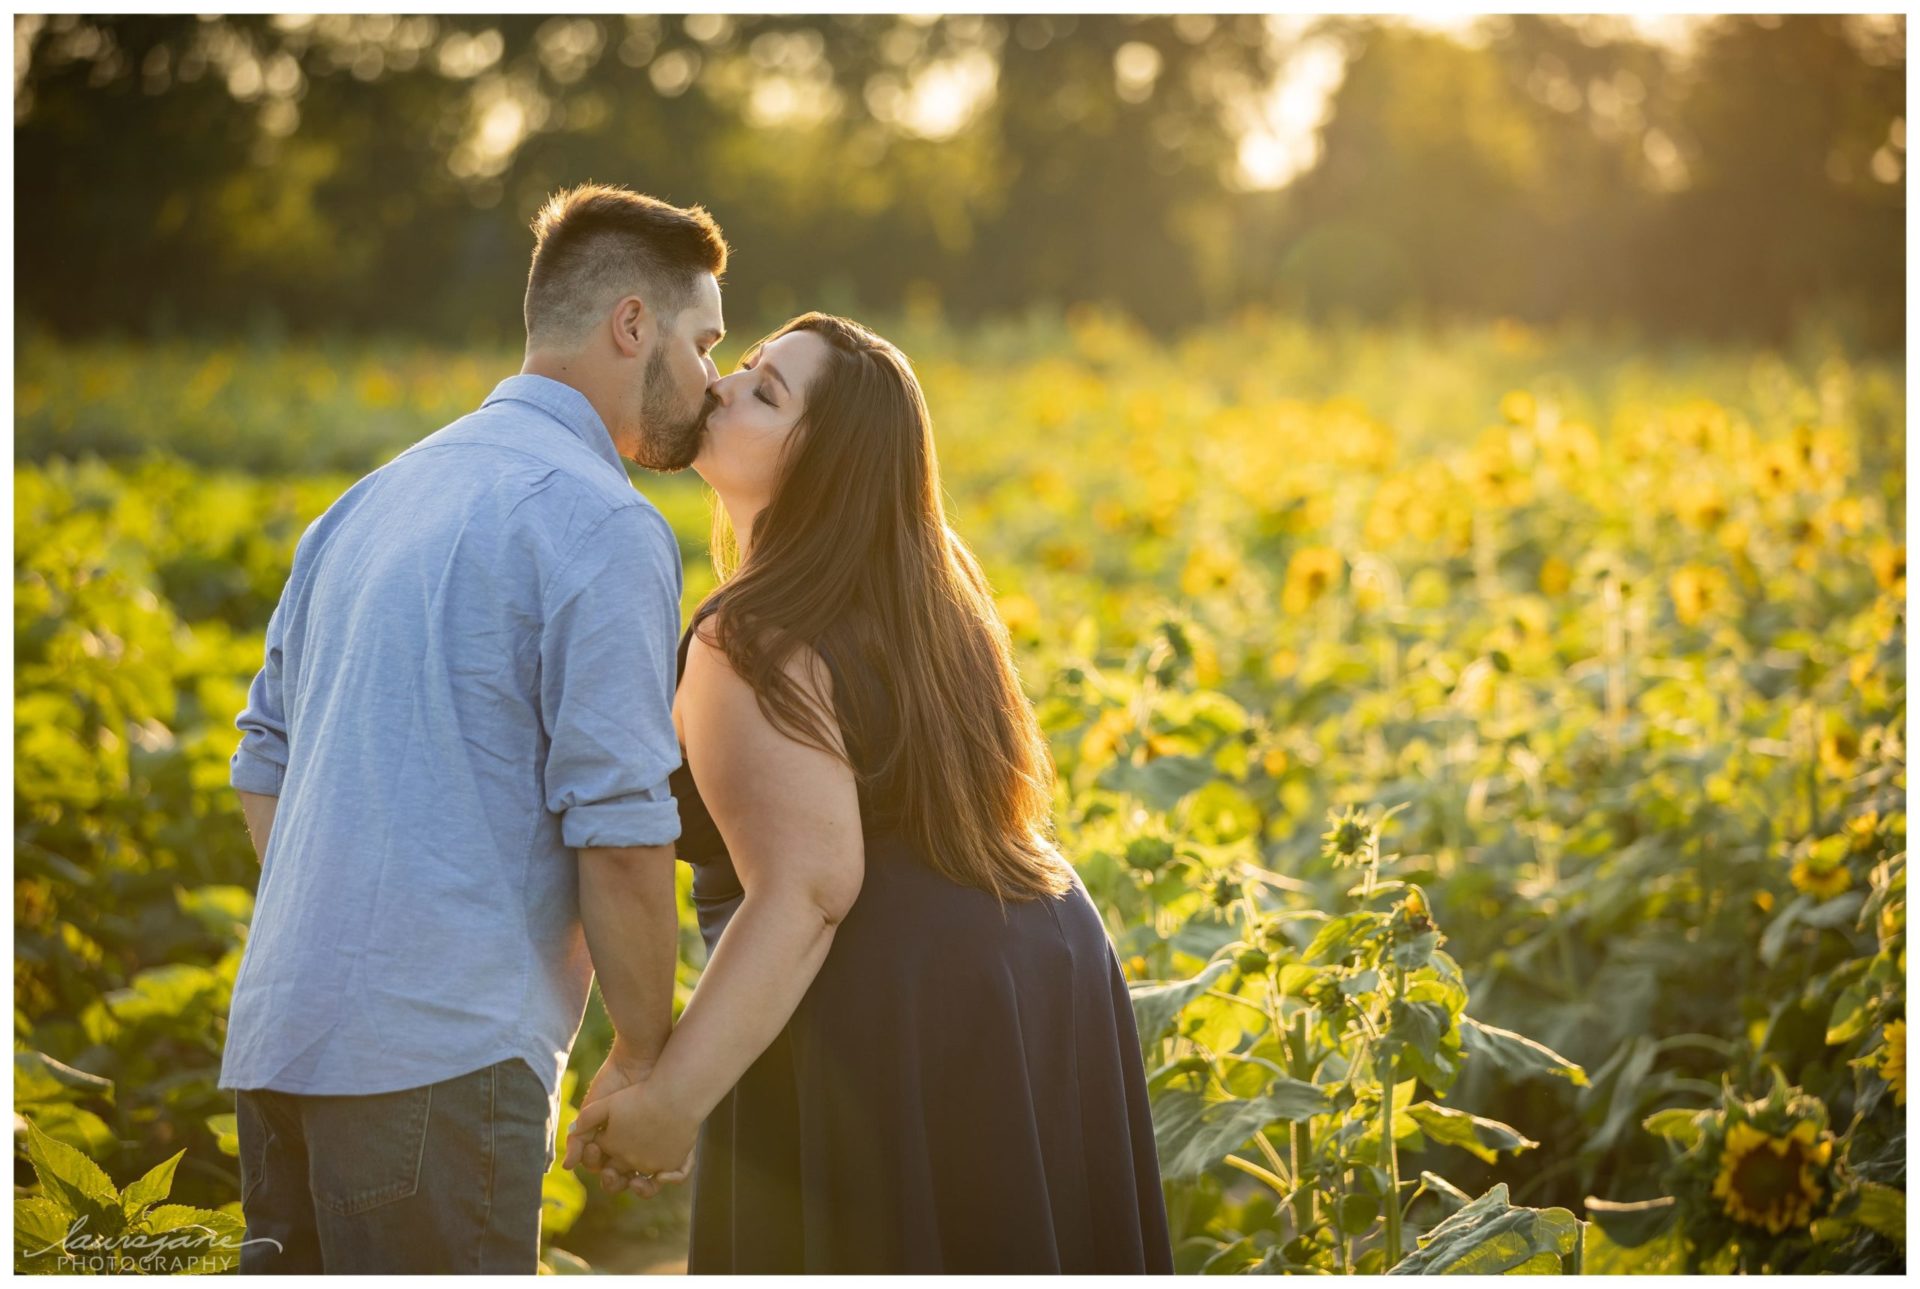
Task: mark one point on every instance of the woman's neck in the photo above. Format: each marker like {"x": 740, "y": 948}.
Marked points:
{"x": 741, "y": 512}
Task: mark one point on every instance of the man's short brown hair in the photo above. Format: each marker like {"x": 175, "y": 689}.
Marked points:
{"x": 597, "y": 242}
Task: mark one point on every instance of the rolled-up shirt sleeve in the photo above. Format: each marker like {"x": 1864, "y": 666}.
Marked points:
{"x": 259, "y": 764}
{"x": 607, "y": 662}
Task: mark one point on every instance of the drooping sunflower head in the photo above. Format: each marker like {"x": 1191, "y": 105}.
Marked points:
{"x": 1893, "y": 1061}
{"x": 1773, "y": 1180}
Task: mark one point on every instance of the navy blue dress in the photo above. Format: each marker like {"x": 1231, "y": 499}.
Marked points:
{"x": 959, "y": 1090}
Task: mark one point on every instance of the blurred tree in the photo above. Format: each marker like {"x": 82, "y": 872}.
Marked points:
{"x": 1792, "y": 134}
{"x": 1567, "y": 169}
{"x": 376, "y": 171}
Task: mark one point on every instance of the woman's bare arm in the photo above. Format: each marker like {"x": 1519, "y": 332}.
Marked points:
{"x": 790, "y": 816}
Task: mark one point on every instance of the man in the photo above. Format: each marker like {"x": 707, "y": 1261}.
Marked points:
{"x": 455, "y": 770}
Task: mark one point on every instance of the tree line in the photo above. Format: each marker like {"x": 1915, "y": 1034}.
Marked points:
{"x": 177, "y": 174}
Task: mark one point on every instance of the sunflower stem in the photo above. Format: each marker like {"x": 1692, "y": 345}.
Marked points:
{"x": 1305, "y": 1217}
{"x": 1389, "y": 1157}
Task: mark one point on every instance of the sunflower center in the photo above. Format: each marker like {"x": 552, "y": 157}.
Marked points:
{"x": 1766, "y": 1179}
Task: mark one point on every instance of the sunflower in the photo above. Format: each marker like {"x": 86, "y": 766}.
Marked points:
{"x": 1700, "y": 425}
{"x": 1021, "y": 615}
{"x": 1101, "y": 742}
{"x": 1571, "y": 446}
{"x": 1861, "y": 830}
{"x": 1345, "y": 841}
{"x": 1771, "y": 1181}
{"x": 1209, "y": 569}
{"x": 1701, "y": 505}
{"x": 1388, "y": 514}
{"x": 1697, "y": 592}
{"x": 1847, "y": 513}
{"x": 1310, "y": 574}
{"x": 1890, "y": 566}
{"x": 1519, "y": 407}
{"x": 1839, "y": 749}
{"x": 1111, "y": 515}
{"x": 1893, "y": 1061}
{"x": 1777, "y": 471}
{"x": 1555, "y": 576}
{"x": 1822, "y": 881}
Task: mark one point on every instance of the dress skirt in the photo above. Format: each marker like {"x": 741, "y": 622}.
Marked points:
{"x": 961, "y": 1090}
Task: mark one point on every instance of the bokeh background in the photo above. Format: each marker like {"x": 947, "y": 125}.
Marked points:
{"x": 1500, "y": 420}
{"x": 1722, "y": 177}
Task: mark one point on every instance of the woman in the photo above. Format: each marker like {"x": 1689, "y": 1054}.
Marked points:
{"x": 911, "y": 1047}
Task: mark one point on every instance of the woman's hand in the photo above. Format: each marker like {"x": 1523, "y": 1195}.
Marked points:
{"x": 622, "y": 1069}
{"x": 639, "y": 1128}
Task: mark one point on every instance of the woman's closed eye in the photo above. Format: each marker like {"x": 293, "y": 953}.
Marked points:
{"x": 760, "y": 392}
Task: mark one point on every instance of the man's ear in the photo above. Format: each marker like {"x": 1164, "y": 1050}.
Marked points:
{"x": 632, "y": 326}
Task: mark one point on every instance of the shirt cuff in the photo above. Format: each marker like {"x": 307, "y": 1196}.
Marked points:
{"x": 249, "y": 772}
{"x": 632, "y": 821}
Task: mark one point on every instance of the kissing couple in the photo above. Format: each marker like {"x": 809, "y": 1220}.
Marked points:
{"x": 480, "y": 740}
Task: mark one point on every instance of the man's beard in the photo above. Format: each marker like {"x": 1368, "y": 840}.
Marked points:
{"x": 669, "y": 438}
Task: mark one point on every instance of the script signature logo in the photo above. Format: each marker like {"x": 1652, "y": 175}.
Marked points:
{"x": 182, "y": 1248}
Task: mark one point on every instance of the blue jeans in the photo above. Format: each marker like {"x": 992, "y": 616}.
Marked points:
{"x": 441, "y": 1178}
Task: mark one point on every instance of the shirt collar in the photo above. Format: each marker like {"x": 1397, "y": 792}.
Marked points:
{"x": 564, "y": 404}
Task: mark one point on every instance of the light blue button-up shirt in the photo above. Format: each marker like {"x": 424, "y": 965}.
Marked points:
{"x": 470, "y": 673}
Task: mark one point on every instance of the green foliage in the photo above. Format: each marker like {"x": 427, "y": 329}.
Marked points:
{"x": 1621, "y": 635}
{"x": 563, "y": 1197}
{"x": 1490, "y": 1237}
{"x": 1300, "y": 1049}
{"x": 80, "y": 1223}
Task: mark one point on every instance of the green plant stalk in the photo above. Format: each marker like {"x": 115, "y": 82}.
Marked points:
{"x": 1813, "y": 769}
{"x": 1305, "y": 1217}
{"x": 1390, "y": 1164}
{"x": 1251, "y": 1169}
{"x": 1273, "y": 1156}
{"x": 1390, "y": 1157}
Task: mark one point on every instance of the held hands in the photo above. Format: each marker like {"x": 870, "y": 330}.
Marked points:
{"x": 632, "y": 1128}
{"x": 622, "y": 1068}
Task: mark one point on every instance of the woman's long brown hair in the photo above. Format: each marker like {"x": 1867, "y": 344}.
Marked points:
{"x": 853, "y": 557}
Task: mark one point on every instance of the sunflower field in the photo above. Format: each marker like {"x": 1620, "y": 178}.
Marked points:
{"x": 1487, "y": 748}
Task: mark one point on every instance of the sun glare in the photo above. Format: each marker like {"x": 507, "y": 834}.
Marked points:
{"x": 946, "y": 96}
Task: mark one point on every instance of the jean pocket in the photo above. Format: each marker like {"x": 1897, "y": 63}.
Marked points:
{"x": 385, "y": 1140}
